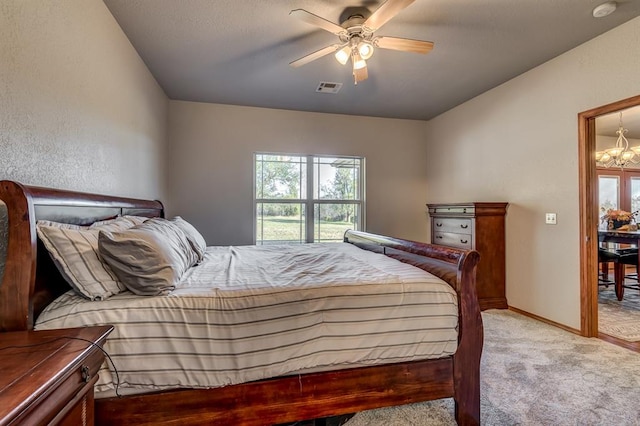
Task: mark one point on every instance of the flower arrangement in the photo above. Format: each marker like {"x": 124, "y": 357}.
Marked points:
{"x": 617, "y": 218}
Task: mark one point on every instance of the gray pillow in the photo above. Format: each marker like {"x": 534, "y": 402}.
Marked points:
{"x": 149, "y": 259}
{"x": 196, "y": 239}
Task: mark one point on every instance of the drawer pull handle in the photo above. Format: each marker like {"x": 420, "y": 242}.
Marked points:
{"x": 464, "y": 226}
{"x": 438, "y": 224}
{"x": 439, "y": 237}
{"x": 464, "y": 241}
{"x": 86, "y": 375}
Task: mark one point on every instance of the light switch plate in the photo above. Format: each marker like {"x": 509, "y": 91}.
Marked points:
{"x": 550, "y": 219}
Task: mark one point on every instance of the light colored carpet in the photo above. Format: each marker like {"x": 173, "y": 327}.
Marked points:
{"x": 617, "y": 318}
{"x": 536, "y": 374}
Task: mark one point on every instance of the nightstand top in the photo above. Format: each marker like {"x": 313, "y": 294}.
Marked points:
{"x": 33, "y": 363}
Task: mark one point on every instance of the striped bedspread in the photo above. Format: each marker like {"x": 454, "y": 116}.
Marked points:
{"x": 253, "y": 312}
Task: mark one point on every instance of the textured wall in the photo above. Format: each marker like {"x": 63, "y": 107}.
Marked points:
{"x": 78, "y": 107}
{"x": 519, "y": 143}
{"x": 211, "y": 171}
{"x": 4, "y": 236}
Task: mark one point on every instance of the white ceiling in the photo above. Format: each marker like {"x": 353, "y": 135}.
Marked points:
{"x": 607, "y": 125}
{"x": 237, "y": 51}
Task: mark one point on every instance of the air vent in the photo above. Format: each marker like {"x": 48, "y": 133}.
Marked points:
{"x": 328, "y": 87}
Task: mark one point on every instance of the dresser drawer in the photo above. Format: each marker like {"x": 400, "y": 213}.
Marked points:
{"x": 452, "y": 210}
{"x": 460, "y": 226}
{"x": 450, "y": 239}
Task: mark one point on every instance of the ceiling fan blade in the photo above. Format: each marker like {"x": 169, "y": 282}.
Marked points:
{"x": 385, "y": 12}
{"x": 315, "y": 55}
{"x": 360, "y": 74}
{"x": 404, "y": 44}
{"x": 312, "y": 19}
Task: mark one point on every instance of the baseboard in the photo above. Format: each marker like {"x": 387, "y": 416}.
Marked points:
{"x": 492, "y": 303}
{"x": 546, "y": 321}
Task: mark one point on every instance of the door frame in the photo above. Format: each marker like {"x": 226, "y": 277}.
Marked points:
{"x": 589, "y": 212}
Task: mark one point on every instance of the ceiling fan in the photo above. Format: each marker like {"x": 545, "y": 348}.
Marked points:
{"x": 357, "y": 39}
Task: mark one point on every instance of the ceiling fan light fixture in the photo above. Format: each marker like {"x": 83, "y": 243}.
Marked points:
{"x": 360, "y": 74}
{"x": 343, "y": 55}
{"x": 365, "y": 48}
{"x": 358, "y": 61}
{"x": 357, "y": 39}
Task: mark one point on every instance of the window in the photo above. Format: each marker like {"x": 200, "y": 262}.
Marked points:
{"x": 307, "y": 198}
{"x": 618, "y": 189}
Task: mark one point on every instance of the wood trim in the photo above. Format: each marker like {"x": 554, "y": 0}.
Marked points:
{"x": 546, "y": 321}
{"x": 589, "y": 214}
{"x": 588, "y": 226}
{"x": 633, "y": 346}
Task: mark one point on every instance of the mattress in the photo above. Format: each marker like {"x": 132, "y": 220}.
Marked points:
{"x": 253, "y": 312}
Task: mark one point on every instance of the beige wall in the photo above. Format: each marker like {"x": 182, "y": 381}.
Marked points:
{"x": 519, "y": 143}
{"x": 78, "y": 107}
{"x": 211, "y": 172}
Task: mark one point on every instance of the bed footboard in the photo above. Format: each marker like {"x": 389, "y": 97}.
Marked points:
{"x": 458, "y": 268}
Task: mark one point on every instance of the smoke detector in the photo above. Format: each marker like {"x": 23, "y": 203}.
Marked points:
{"x": 605, "y": 9}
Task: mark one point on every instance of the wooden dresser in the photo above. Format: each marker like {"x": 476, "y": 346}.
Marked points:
{"x": 479, "y": 226}
{"x": 47, "y": 377}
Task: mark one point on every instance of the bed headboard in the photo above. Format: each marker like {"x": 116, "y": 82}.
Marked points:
{"x": 31, "y": 281}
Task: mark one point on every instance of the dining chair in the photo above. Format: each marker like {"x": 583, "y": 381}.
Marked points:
{"x": 628, "y": 256}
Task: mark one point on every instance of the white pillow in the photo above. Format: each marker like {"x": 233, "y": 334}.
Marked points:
{"x": 150, "y": 258}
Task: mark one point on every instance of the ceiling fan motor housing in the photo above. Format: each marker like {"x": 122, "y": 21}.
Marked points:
{"x": 354, "y": 28}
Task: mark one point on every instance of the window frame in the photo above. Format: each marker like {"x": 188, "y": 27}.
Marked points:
{"x": 625, "y": 177}
{"x": 310, "y": 201}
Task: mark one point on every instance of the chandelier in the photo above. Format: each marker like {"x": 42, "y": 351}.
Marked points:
{"x": 620, "y": 155}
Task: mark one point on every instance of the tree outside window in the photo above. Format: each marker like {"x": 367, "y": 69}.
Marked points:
{"x": 307, "y": 198}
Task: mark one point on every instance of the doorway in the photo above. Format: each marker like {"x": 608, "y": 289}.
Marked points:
{"x": 589, "y": 214}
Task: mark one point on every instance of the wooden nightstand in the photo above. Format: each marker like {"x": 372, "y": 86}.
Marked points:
{"x": 47, "y": 377}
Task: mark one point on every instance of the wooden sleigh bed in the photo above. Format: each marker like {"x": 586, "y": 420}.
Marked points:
{"x": 31, "y": 282}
